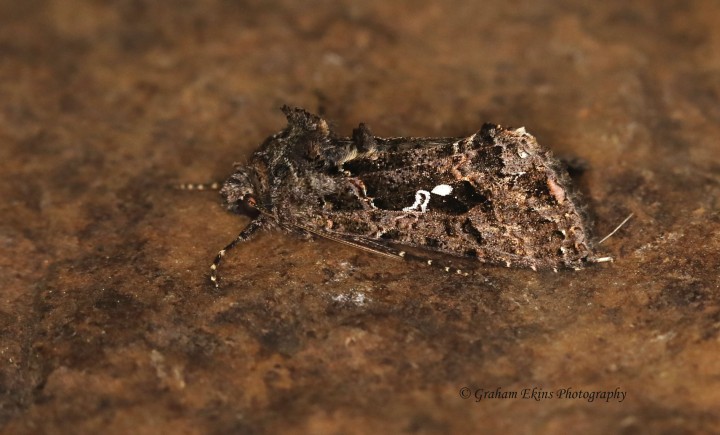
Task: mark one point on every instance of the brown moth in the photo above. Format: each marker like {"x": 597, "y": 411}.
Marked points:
{"x": 496, "y": 196}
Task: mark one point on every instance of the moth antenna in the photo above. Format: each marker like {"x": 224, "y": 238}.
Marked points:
{"x": 432, "y": 263}
{"x": 246, "y": 234}
{"x": 387, "y": 252}
{"x": 215, "y": 185}
{"x": 616, "y": 228}
{"x": 349, "y": 243}
{"x": 378, "y": 249}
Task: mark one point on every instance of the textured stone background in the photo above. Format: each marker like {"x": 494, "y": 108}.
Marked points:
{"x": 106, "y": 317}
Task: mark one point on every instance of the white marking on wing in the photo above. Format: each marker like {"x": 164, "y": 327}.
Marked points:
{"x": 422, "y": 197}
{"x": 442, "y": 190}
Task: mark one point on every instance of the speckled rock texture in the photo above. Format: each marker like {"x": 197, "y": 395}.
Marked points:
{"x": 108, "y": 323}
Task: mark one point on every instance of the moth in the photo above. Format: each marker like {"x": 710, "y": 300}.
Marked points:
{"x": 496, "y": 196}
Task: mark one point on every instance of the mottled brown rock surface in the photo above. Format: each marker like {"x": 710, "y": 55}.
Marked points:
{"x": 107, "y": 320}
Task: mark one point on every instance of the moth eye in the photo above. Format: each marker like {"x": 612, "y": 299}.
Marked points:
{"x": 249, "y": 200}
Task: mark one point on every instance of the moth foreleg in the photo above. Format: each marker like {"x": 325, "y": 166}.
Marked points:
{"x": 245, "y": 235}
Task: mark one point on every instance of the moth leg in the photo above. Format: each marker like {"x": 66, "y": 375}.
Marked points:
{"x": 245, "y": 235}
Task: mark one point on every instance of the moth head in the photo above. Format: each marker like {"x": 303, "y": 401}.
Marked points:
{"x": 241, "y": 190}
